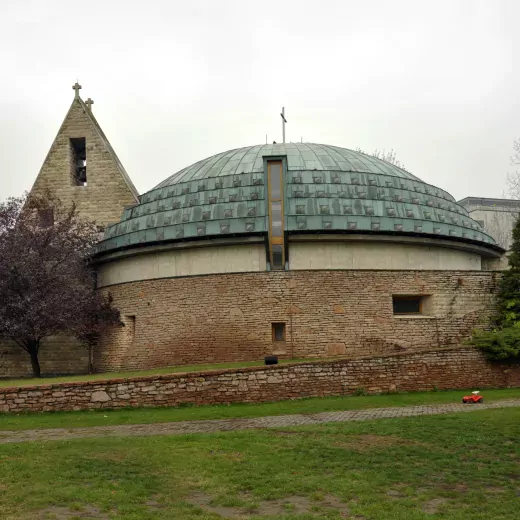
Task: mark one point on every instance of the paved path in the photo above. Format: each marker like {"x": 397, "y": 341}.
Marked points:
{"x": 223, "y": 425}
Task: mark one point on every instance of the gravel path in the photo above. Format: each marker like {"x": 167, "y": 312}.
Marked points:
{"x": 223, "y": 425}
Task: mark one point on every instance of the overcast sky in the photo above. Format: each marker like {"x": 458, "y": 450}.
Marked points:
{"x": 176, "y": 81}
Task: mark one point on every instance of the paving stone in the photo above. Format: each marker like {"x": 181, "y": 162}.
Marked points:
{"x": 223, "y": 425}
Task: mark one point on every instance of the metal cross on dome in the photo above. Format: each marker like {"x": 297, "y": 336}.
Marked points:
{"x": 282, "y": 114}
{"x": 76, "y": 87}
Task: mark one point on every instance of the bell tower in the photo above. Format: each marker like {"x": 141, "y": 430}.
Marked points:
{"x": 82, "y": 167}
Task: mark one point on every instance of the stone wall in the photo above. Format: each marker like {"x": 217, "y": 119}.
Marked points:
{"x": 450, "y": 368}
{"x": 59, "y": 355}
{"x": 228, "y": 317}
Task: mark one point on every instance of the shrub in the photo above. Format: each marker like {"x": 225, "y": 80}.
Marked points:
{"x": 499, "y": 345}
{"x": 503, "y": 343}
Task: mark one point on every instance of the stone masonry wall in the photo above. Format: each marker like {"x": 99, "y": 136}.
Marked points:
{"x": 451, "y": 368}
{"x": 58, "y": 355}
{"x": 228, "y": 317}
{"x": 106, "y": 193}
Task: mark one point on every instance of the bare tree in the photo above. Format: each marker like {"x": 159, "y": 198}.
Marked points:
{"x": 383, "y": 155}
{"x": 47, "y": 285}
{"x": 500, "y": 225}
{"x": 513, "y": 178}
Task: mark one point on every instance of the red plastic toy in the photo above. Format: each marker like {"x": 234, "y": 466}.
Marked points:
{"x": 474, "y": 398}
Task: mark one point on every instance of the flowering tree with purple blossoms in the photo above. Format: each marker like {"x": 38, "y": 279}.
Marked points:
{"x": 47, "y": 282}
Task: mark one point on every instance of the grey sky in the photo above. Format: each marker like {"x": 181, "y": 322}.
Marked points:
{"x": 174, "y": 82}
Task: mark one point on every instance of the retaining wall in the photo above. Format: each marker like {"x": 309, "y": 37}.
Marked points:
{"x": 453, "y": 368}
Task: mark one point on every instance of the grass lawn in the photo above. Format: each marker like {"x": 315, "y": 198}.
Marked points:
{"x": 140, "y": 373}
{"x": 312, "y": 405}
{"x": 458, "y": 467}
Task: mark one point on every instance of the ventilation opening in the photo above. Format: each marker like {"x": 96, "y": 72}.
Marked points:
{"x": 78, "y": 161}
{"x": 408, "y": 304}
{"x": 278, "y": 331}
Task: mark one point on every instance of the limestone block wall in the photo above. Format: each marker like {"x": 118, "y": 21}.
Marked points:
{"x": 58, "y": 355}
{"x": 452, "y": 368}
{"x": 229, "y": 317}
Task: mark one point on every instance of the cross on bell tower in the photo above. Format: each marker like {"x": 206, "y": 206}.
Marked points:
{"x": 89, "y": 102}
{"x": 76, "y": 87}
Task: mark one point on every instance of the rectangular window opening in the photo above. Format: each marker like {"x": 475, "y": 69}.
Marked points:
{"x": 408, "y": 304}
{"x": 277, "y": 257}
{"x": 78, "y": 148}
{"x": 278, "y": 331}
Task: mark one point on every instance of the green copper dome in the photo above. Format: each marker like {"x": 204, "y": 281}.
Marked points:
{"x": 326, "y": 189}
{"x": 304, "y": 156}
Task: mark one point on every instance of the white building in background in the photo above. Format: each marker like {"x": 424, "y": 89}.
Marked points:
{"x": 496, "y": 216}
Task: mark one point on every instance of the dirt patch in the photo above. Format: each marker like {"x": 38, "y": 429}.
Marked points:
{"x": 231, "y": 455}
{"x": 153, "y": 504}
{"x": 65, "y": 513}
{"x": 458, "y": 488}
{"x": 432, "y": 506}
{"x": 203, "y": 501}
{"x": 394, "y": 493}
{"x": 494, "y": 490}
{"x": 366, "y": 442}
{"x": 272, "y": 508}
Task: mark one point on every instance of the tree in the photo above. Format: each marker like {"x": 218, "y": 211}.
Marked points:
{"x": 47, "y": 283}
{"x": 383, "y": 155}
{"x": 503, "y": 342}
{"x": 513, "y": 178}
{"x": 499, "y": 226}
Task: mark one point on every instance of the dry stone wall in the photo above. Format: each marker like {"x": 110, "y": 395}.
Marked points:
{"x": 450, "y": 368}
{"x": 228, "y": 317}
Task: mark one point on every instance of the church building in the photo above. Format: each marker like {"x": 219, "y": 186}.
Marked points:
{"x": 299, "y": 250}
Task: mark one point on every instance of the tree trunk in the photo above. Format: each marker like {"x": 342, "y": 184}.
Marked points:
{"x": 33, "y": 348}
{"x": 90, "y": 358}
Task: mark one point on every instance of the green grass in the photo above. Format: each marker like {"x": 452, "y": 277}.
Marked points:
{"x": 140, "y": 373}
{"x": 457, "y": 467}
{"x": 312, "y": 405}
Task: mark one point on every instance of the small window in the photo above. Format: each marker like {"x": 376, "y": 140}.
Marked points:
{"x": 407, "y": 304}
{"x": 278, "y": 331}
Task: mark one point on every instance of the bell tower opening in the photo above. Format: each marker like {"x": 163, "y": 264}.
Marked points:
{"x": 78, "y": 153}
